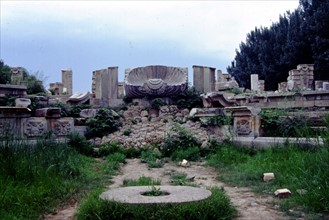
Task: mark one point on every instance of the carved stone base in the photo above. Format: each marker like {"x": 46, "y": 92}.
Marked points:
{"x": 246, "y": 120}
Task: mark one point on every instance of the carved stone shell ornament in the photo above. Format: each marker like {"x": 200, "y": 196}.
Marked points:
{"x": 155, "y": 81}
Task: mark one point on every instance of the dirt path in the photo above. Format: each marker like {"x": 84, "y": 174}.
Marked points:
{"x": 249, "y": 205}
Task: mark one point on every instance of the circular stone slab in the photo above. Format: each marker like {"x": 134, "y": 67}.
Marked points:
{"x": 176, "y": 194}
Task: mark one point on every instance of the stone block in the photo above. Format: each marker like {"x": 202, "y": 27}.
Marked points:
{"x": 34, "y": 127}
{"x": 268, "y": 177}
{"x": 246, "y": 120}
{"x": 254, "y": 82}
{"x": 282, "y": 193}
{"x": 87, "y": 113}
{"x": 48, "y": 112}
{"x": 22, "y": 102}
{"x": 67, "y": 81}
{"x": 325, "y": 86}
{"x": 61, "y": 127}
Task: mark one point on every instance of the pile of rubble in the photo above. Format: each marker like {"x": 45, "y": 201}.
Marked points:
{"x": 144, "y": 127}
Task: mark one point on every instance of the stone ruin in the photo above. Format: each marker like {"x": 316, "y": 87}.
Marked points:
{"x": 225, "y": 82}
{"x": 155, "y": 81}
{"x": 301, "y": 78}
{"x": 17, "y": 75}
{"x": 204, "y": 80}
{"x": 163, "y": 81}
{"x": 18, "y": 122}
{"x": 65, "y": 87}
{"x": 104, "y": 88}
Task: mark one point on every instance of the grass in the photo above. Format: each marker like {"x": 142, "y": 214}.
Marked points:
{"x": 217, "y": 206}
{"x": 294, "y": 168}
{"x": 35, "y": 179}
{"x": 141, "y": 181}
{"x": 152, "y": 158}
{"x": 180, "y": 179}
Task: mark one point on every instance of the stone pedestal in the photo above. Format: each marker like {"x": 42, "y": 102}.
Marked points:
{"x": 246, "y": 120}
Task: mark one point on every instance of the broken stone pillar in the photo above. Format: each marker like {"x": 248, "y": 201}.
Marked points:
{"x": 121, "y": 90}
{"x": 17, "y": 75}
{"x": 105, "y": 87}
{"x": 246, "y": 120}
{"x": 220, "y": 77}
{"x": 95, "y": 86}
{"x": 254, "y": 82}
{"x": 301, "y": 78}
{"x": 113, "y": 82}
{"x": 67, "y": 81}
{"x": 319, "y": 84}
{"x": 325, "y": 86}
{"x": 282, "y": 87}
{"x": 261, "y": 86}
{"x": 204, "y": 79}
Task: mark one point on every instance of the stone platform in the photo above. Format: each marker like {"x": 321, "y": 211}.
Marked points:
{"x": 174, "y": 194}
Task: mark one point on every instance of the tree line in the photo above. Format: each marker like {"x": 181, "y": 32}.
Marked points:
{"x": 299, "y": 37}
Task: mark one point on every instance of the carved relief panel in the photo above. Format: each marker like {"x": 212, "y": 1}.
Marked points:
{"x": 63, "y": 127}
{"x": 35, "y": 127}
{"x": 6, "y": 128}
{"x": 243, "y": 126}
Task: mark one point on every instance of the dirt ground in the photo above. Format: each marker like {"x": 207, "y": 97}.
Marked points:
{"x": 249, "y": 205}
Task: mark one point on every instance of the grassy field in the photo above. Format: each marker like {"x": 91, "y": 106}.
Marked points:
{"x": 35, "y": 179}
{"x": 305, "y": 172}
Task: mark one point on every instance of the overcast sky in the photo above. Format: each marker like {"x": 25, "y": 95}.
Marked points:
{"x": 47, "y": 36}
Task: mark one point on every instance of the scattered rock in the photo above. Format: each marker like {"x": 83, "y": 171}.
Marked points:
{"x": 184, "y": 163}
{"x": 268, "y": 177}
{"x": 144, "y": 113}
{"x": 282, "y": 193}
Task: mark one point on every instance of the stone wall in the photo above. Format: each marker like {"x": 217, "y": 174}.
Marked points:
{"x": 17, "y": 122}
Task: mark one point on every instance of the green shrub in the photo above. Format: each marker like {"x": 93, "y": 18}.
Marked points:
{"x": 106, "y": 121}
{"x": 157, "y": 103}
{"x": 152, "y": 158}
{"x": 277, "y": 123}
{"x": 64, "y": 108}
{"x": 110, "y": 148}
{"x": 217, "y": 206}
{"x": 80, "y": 143}
{"x": 113, "y": 162}
{"x": 76, "y": 109}
{"x": 179, "y": 143}
{"x": 127, "y": 132}
{"x": 133, "y": 152}
{"x": 190, "y": 154}
{"x": 180, "y": 179}
{"x": 189, "y": 99}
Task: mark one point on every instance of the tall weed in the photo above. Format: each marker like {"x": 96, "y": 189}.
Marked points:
{"x": 35, "y": 177}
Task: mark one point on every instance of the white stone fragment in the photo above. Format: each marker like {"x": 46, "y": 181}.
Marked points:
{"x": 268, "y": 177}
{"x": 282, "y": 193}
